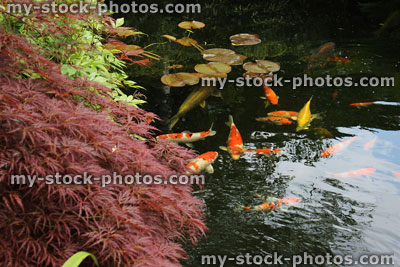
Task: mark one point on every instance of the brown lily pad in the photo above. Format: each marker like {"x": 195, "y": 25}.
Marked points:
{"x": 180, "y": 79}
{"x": 223, "y": 55}
{"x": 216, "y": 69}
{"x": 261, "y": 66}
{"x": 169, "y": 37}
{"x": 187, "y": 25}
{"x": 244, "y": 39}
{"x": 185, "y": 41}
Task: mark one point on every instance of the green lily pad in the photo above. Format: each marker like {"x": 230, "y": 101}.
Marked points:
{"x": 244, "y": 39}
{"x": 180, "y": 79}
{"x": 216, "y": 69}
{"x": 262, "y": 66}
{"x": 187, "y": 25}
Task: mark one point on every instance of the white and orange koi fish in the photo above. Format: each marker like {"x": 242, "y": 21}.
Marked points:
{"x": 235, "y": 143}
{"x": 274, "y": 204}
{"x": 187, "y": 137}
{"x": 370, "y": 144}
{"x": 336, "y": 148}
{"x": 355, "y": 173}
{"x": 202, "y": 163}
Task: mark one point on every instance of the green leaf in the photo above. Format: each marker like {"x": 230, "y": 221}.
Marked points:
{"x": 77, "y": 259}
{"x": 119, "y": 22}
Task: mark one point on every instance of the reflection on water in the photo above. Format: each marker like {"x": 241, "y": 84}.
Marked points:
{"x": 336, "y": 215}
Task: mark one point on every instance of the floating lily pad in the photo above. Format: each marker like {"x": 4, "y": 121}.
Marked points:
{"x": 253, "y": 75}
{"x": 244, "y": 39}
{"x": 217, "y": 69}
{"x": 180, "y": 79}
{"x": 185, "y": 41}
{"x": 223, "y": 55}
{"x": 187, "y": 25}
{"x": 262, "y": 66}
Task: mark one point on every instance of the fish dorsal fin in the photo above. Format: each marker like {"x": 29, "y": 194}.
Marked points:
{"x": 224, "y": 148}
{"x": 210, "y": 169}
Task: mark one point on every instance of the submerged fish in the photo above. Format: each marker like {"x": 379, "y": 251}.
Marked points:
{"x": 361, "y": 104}
{"x": 283, "y": 113}
{"x": 336, "y": 148}
{"x": 275, "y": 120}
{"x": 187, "y": 137}
{"x": 262, "y": 150}
{"x": 336, "y": 59}
{"x": 304, "y": 117}
{"x": 370, "y": 144}
{"x": 274, "y": 204}
{"x": 195, "y": 98}
{"x": 355, "y": 173}
{"x": 321, "y": 55}
{"x": 270, "y": 96}
{"x": 203, "y": 162}
{"x": 235, "y": 143}
{"x": 322, "y": 133}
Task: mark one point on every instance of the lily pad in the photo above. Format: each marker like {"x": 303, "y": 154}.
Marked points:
{"x": 187, "y": 25}
{"x": 217, "y": 69}
{"x": 180, "y": 79}
{"x": 185, "y": 41}
{"x": 244, "y": 39}
{"x": 262, "y": 66}
{"x": 223, "y": 55}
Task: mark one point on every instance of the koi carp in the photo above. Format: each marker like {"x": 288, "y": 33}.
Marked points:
{"x": 321, "y": 55}
{"x": 370, "y": 144}
{"x": 187, "y": 137}
{"x": 202, "y": 163}
{"x": 304, "y": 117}
{"x": 275, "y": 120}
{"x": 195, "y": 98}
{"x": 355, "y": 173}
{"x": 270, "y": 96}
{"x": 235, "y": 143}
{"x": 336, "y": 148}
{"x": 262, "y": 150}
{"x": 336, "y": 59}
{"x": 361, "y": 104}
{"x": 283, "y": 113}
{"x": 274, "y": 204}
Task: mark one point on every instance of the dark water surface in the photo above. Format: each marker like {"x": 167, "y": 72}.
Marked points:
{"x": 336, "y": 215}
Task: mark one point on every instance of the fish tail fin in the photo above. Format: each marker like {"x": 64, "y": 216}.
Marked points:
{"x": 173, "y": 121}
{"x": 266, "y": 104}
{"x": 212, "y": 132}
{"x": 230, "y": 121}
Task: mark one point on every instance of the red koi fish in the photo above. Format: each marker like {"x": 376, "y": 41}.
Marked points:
{"x": 235, "y": 142}
{"x": 202, "y": 163}
{"x": 263, "y": 150}
{"x": 270, "y": 96}
{"x": 336, "y": 148}
{"x": 370, "y": 144}
{"x": 336, "y": 59}
{"x": 361, "y": 104}
{"x": 396, "y": 174}
{"x": 275, "y": 120}
{"x": 283, "y": 113}
{"x": 273, "y": 205}
{"x": 187, "y": 137}
{"x": 355, "y": 173}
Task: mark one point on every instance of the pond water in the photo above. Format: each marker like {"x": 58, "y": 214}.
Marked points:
{"x": 340, "y": 216}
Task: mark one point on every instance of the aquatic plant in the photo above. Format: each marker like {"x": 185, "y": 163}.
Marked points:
{"x": 53, "y": 120}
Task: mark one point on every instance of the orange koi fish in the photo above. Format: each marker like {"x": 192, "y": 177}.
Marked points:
{"x": 263, "y": 150}
{"x": 283, "y": 113}
{"x": 336, "y": 59}
{"x": 361, "y": 104}
{"x": 273, "y": 205}
{"x": 396, "y": 174}
{"x": 355, "y": 173}
{"x": 187, "y": 137}
{"x": 270, "y": 96}
{"x": 336, "y": 148}
{"x": 202, "y": 162}
{"x": 370, "y": 144}
{"x": 275, "y": 120}
{"x": 321, "y": 55}
{"x": 235, "y": 142}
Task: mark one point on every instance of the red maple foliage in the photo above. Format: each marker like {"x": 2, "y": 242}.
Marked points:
{"x": 45, "y": 130}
